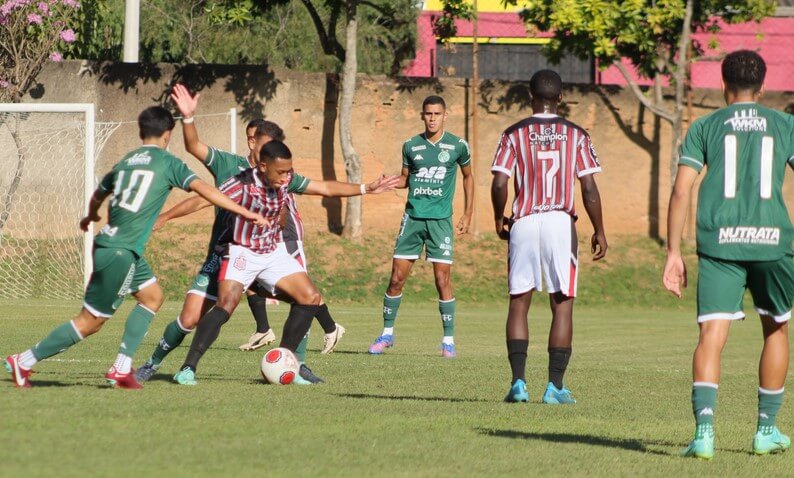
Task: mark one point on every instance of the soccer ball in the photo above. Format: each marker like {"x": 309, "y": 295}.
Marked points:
{"x": 279, "y": 366}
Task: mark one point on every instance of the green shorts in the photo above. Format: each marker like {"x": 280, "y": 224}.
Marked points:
{"x": 434, "y": 234}
{"x": 117, "y": 272}
{"x": 721, "y": 286}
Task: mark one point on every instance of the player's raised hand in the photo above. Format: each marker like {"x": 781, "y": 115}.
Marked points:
{"x": 674, "y": 276}
{"x": 598, "y": 246}
{"x": 184, "y": 101}
{"x": 463, "y": 225}
{"x": 383, "y": 183}
{"x": 86, "y": 221}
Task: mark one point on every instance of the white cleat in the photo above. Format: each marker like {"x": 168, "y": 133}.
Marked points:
{"x": 330, "y": 340}
{"x": 259, "y": 340}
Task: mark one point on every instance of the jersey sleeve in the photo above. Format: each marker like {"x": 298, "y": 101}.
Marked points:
{"x": 107, "y": 182}
{"x": 586, "y": 158}
{"x": 692, "y": 151}
{"x": 179, "y": 175}
{"x": 504, "y": 160}
{"x": 790, "y": 153}
{"x": 218, "y": 160}
{"x": 464, "y": 158}
{"x": 298, "y": 184}
{"x": 233, "y": 189}
{"x": 406, "y": 158}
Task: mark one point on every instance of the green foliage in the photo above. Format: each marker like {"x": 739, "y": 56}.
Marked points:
{"x": 647, "y": 33}
{"x": 444, "y": 27}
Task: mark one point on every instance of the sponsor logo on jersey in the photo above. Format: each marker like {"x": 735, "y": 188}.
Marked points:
{"x": 427, "y": 192}
{"x": 443, "y": 156}
{"x": 109, "y": 230}
{"x": 747, "y": 120}
{"x": 750, "y": 235}
{"x": 139, "y": 158}
{"x": 446, "y": 146}
{"x": 547, "y": 136}
{"x": 418, "y": 157}
{"x": 421, "y": 147}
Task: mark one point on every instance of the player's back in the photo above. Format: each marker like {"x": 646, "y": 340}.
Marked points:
{"x": 545, "y": 153}
{"x": 741, "y": 212}
{"x": 139, "y": 185}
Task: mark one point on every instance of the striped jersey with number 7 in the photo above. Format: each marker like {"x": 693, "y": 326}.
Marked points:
{"x": 545, "y": 153}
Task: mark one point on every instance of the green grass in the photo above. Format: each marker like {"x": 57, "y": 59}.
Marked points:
{"x": 407, "y": 413}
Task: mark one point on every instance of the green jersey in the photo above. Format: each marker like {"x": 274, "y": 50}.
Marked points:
{"x": 223, "y": 165}
{"x": 139, "y": 184}
{"x": 741, "y": 214}
{"x": 431, "y": 174}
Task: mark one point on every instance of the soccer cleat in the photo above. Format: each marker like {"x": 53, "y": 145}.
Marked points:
{"x": 381, "y": 343}
{"x": 769, "y": 440}
{"x": 122, "y": 380}
{"x": 555, "y": 396}
{"x": 146, "y": 371}
{"x": 306, "y": 377}
{"x": 259, "y": 340}
{"x": 702, "y": 446}
{"x": 19, "y": 375}
{"x": 518, "y": 392}
{"x": 330, "y": 340}
{"x": 448, "y": 350}
{"x": 185, "y": 377}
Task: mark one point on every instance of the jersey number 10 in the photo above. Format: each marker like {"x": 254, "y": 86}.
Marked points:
{"x": 131, "y": 197}
{"x": 767, "y": 154}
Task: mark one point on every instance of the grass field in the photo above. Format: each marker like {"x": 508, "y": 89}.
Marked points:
{"x": 407, "y": 413}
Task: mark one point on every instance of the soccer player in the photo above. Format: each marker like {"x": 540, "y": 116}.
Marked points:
{"x": 546, "y": 153}
{"x": 253, "y": 253}
{"x": 429, "y": 166}
{"x": 139, "y": 185}
{"x": 743, "y": 242}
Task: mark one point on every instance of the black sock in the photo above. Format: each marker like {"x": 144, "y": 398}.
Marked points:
{"x": 325, "y": 319}
{"x": 558, "y": 362}
{"x": 209, "y": 327}
{"x": 298, "y": 323}
{"x": 517, "y": 355}
{"x": 259, "y": 309}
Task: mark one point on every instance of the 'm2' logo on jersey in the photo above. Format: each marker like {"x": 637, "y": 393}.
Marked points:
{"x": 747, "y": 120}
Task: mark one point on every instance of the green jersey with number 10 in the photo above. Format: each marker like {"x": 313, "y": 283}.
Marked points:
{"x": 741, "y": 213}
{"x": 139, "y": 185}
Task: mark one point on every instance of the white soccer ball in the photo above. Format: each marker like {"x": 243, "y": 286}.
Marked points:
{"x": 279, "y": 366}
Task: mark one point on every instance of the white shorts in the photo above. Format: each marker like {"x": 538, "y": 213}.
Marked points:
{"x": 543, "y": 246}
{"x": 245, "y": 266}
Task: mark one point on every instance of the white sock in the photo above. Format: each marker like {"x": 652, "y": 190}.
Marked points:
{"x": 27, "y": 360}
{"x": 388, "y": 331}
{"x": 448, "y": 339}
{"x": 123, "y": 363}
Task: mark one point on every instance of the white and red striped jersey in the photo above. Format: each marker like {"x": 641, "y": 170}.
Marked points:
{"x": 293, "y": 225}
{"x": 544, "y": 154}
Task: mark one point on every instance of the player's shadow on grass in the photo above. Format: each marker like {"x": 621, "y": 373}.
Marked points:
{"x": 408, "y": 397}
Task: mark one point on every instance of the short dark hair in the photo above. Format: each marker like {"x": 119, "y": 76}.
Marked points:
{"x": 266, "y": 128}
{"x": 546, "y": 85}
{"x": 154, "y": 121}
{"x": 434, "y": 100}
{"x": 274, "y": 150}
{"x": 743, "y": 70}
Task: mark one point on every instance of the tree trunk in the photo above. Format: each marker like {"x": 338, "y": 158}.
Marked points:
{"x": 679, "y": 77}
{"x": 352, "y": 228}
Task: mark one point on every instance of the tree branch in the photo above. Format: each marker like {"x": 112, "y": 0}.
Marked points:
{"x": 660, "y": 112}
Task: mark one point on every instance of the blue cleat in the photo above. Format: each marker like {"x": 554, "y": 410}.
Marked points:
{"x": 702, "y": 446}
{"x": 448, "y": 350}
{"x": 518, "y": 392}
{"x": 185, "y": 377}
{"x": 555, "y": 396}
{"x": 769, "y": 440}
{"x": 380, "y": 344}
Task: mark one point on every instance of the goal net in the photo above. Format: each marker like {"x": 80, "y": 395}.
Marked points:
{"x": 47, "y": 157}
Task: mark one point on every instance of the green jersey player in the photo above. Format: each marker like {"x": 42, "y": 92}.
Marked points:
{"x": 138, "y": 185}
{"x": 429, "y": 165}
{"x": 743, "y": 242}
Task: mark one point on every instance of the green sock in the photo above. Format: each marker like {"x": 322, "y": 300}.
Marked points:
{"x": 704, "y": 402}
{"x": 60, "y": 339}
{"x": 447, "y": 309}
{"x": 171, "y": 339}
{"x": 769, "y": 402}
{"x": 135, "y": 330}
{"x": 390, "y": 307}
{"x": 300, "y": 352}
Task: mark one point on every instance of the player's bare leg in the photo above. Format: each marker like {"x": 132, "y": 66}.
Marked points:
{"x": 400, "y": 269}
{"x": 517, "y": 335}
{"x": 446, "y": 307}
{"x": 772, "y": 370}
{"x": 559, "y": 347}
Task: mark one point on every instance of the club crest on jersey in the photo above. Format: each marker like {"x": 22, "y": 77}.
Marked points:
{"x": 239, "y": 263}
{"x": 747, "y": 120}
{"x": 443, "y": 156}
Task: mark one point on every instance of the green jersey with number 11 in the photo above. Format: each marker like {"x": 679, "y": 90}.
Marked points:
{"x": 741, "y": 213}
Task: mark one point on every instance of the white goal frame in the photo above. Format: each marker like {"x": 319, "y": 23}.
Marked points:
{"x": 88, "y": 113}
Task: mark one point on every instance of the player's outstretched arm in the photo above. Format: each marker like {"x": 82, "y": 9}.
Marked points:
{"x": 498, "y": 201}
{"x": 184, "y": 208}
{"x": 93, "y": 208}
{"x": 592, "y": 204}
{"x": 468, "y": 200}
{"x": 213, "y": 195}
{"x": 187, "y": 104}
{"x": 674, "y": 276}
{"x": 339, "y": 189}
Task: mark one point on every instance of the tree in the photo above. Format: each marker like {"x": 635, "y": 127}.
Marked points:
{"x": 31, "y": 33}
{"x": 656, "y": 37}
